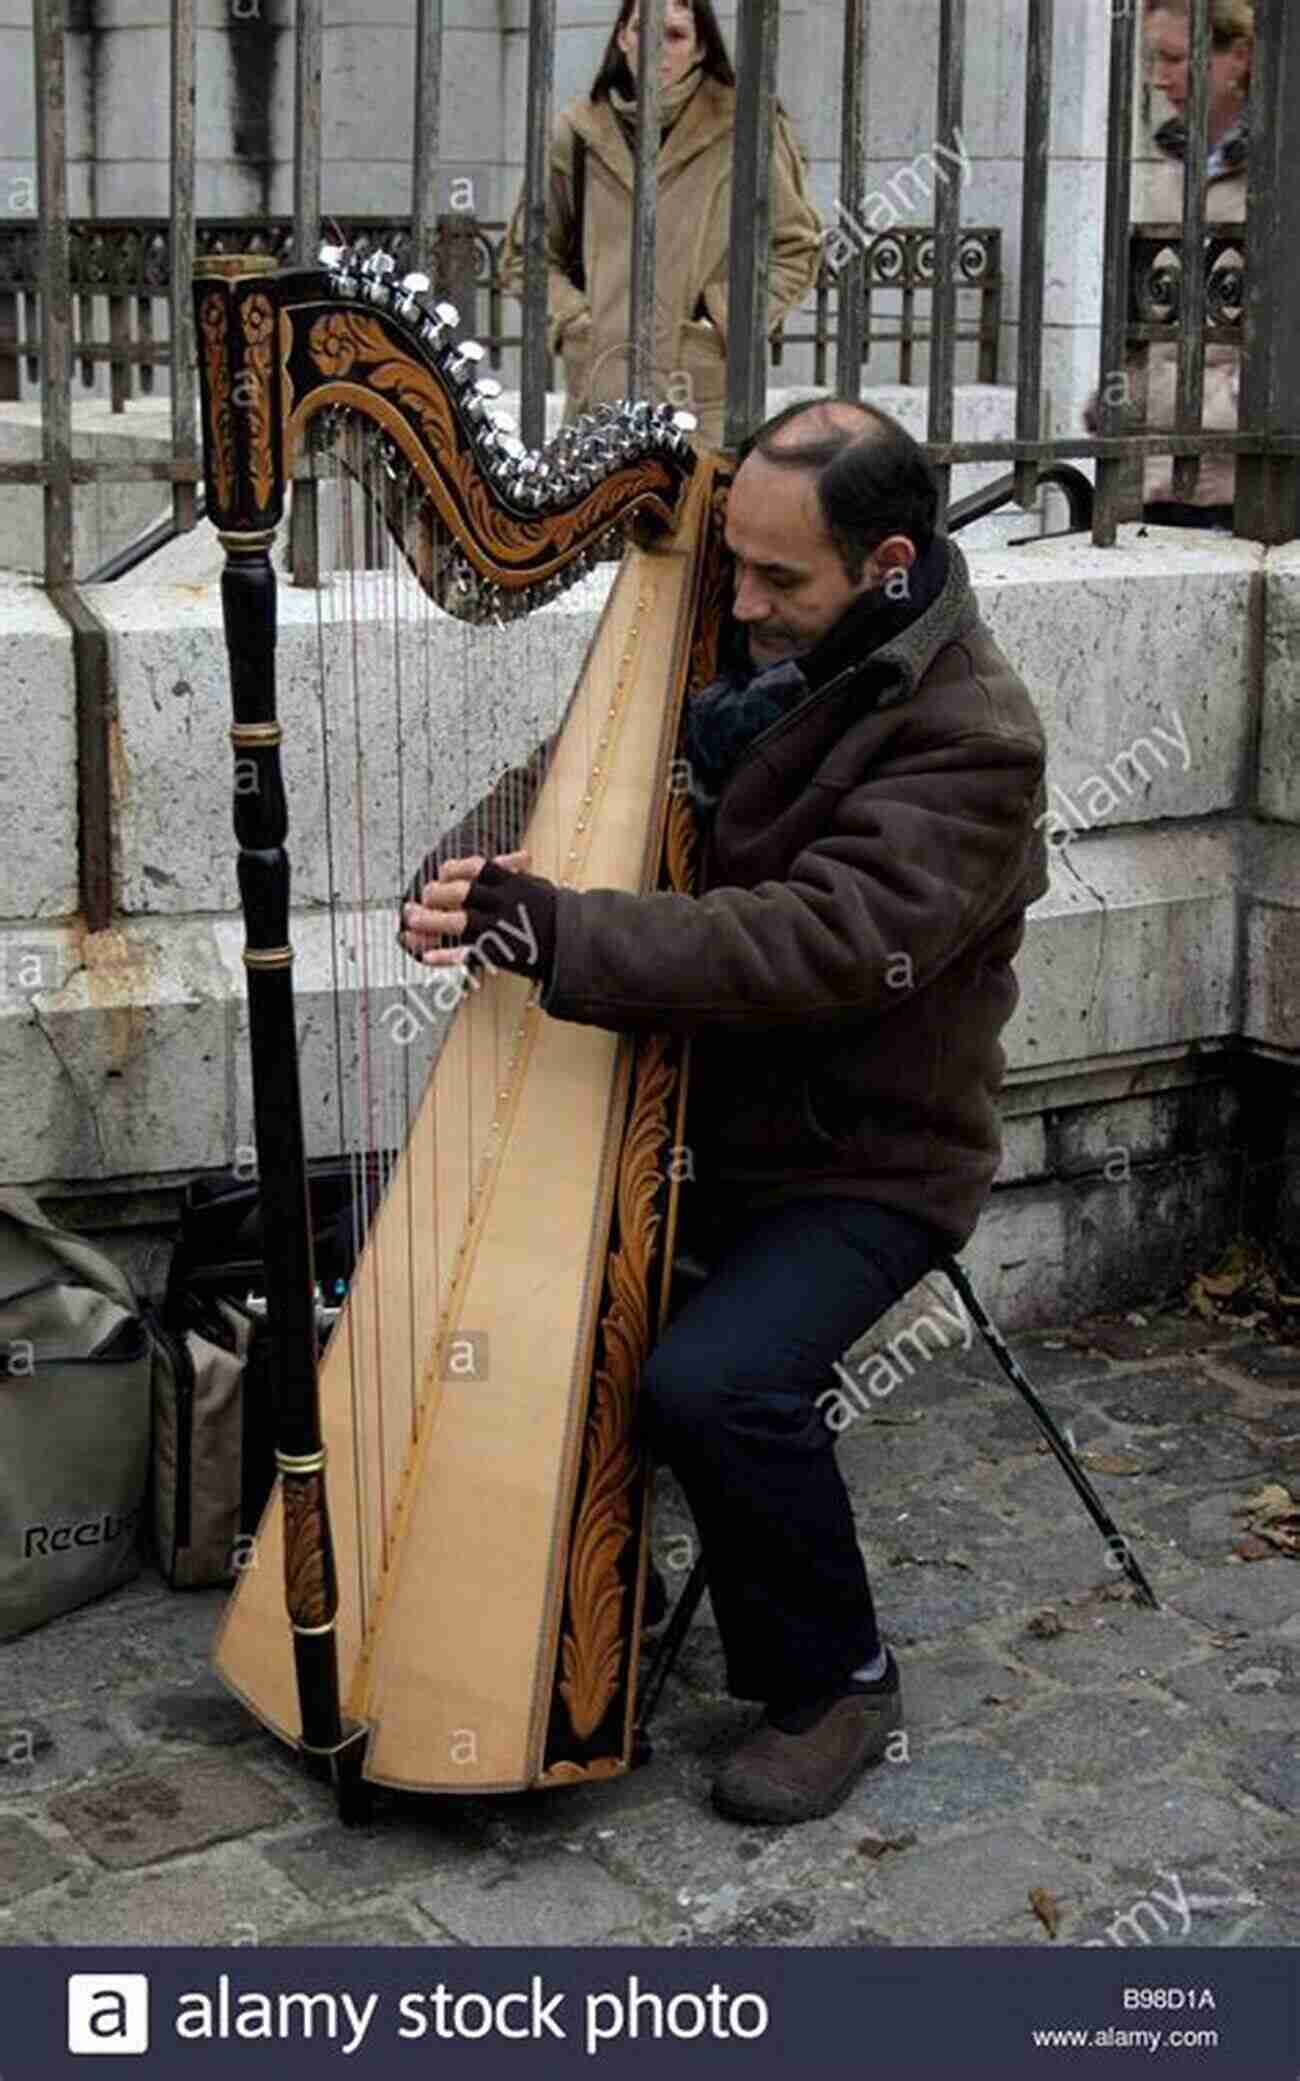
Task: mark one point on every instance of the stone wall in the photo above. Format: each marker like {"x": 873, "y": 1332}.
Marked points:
{"x": 1150, "y": 1098}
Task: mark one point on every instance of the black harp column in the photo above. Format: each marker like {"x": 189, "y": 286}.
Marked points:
{"x": 243, "y": 447}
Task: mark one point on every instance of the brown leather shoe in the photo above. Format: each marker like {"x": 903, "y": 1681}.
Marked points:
{"x": 775, "y": 1776}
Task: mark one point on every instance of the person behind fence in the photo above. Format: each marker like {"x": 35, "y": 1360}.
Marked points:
{"x": 869, "y": 778}
{"x": 1167, "y": 32}
{"x": 589, "y": 222}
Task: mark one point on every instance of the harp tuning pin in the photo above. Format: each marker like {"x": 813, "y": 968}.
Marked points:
{"x": 376, "y": 271}
{"x": 464, "y": 359}
{"x": 331, "y": 256}
{"x": 447, "y": 314}
{"x": 488, "y": 388}
{"x": 415, "y": 284}
{"x": 504, "y": 422}
{"x": 685, "y": 422}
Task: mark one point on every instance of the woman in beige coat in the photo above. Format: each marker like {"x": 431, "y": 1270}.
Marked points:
{"x": 589, "y": 223}
{"x": 1232, "y": 40}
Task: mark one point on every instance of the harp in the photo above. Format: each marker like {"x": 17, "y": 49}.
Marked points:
{"x": 445, "y": 1589}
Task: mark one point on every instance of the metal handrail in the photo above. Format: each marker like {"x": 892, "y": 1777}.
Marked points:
{"x": 977, "y": 505}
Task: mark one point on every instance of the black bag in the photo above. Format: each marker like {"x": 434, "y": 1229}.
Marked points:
{"x": 214, "y": 1413}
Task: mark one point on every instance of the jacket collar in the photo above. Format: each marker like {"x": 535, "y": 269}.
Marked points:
{"x": 899, "y": 663}
{"x": 708, "y": 115}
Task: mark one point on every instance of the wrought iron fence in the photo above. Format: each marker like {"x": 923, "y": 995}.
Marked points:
{"x": 120, "y": 279}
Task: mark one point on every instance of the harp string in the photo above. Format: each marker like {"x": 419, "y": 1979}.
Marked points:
{"x": 351, "y": 919}
{"x": 335, "y": 514}
{"x": 404, "y": 1108}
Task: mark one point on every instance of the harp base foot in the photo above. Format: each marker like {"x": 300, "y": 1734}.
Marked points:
{"x": 356, "y": 1802}
{"x": 355, "y": 1794}
{"x": 341, "y": 1767}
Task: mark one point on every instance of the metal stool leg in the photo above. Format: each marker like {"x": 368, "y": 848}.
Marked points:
{"x": 1092, "y": 1502}
{"x": 679, "y": 1625}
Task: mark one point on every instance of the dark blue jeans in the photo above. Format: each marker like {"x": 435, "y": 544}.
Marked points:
{"x": 729, "y": 1401}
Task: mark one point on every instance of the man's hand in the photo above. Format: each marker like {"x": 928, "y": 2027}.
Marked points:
{"x": 495, "y": 912}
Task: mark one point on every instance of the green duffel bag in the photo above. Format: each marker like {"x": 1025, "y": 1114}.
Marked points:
{"x": 75, "y": 1368}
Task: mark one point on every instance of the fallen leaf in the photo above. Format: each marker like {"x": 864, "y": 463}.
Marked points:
{"x": 1272, "y": 1501}
{"x": 1283, "y": 1532}
{"x": 1251, "y": 1548}
{"x": 1224, "y": 1284}
{"x": 1046, "y": 1908}
{"x": 1112, "y": 1462}
{"x": 954, "y": 1559}
{"x": 1046, "y": 1624}
{"x": 876, "y": 1846}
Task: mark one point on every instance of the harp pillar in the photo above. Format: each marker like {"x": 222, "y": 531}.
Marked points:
{"x": 243, "y": 445}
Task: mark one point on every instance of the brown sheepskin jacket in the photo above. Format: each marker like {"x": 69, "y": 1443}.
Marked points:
{"x": 846, "y": 969}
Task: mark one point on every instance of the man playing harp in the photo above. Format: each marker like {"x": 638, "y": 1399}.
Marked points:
{"x": 868, "y": 773}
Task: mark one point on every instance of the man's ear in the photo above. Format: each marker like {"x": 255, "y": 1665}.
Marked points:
{"x": 889, "y": 562}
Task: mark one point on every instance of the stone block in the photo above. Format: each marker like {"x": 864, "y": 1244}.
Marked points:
{"x": 1246, "y": 1598}
{"x": 1155, "y": 911}
{"x": 106, "y": 516}
{"x": 1251, "y": 1690}
{"x": 41, "y": 1750}
{"x": 1202, "y": 1903}
{"x": 1272, "y": 949}
{"x": 173, "y": 688}
{"x": 680, "y": 1849}
{"x": 1125, "y": 1734}
{"x": 109, "y": 1648}
{"x": 1185, "y": 1122}
{"x": 554, "y": 1898}
{"x": 1279, "y": 731}
{"x": 1114, "y": 1644}
{"x": 386, "y": 1929}
{"x": 1142, "y": 681}
{"x": 150, "y": 1815}
{"x": 28, "y": 1863}
{"x": 1075, "y": 205}
{"x": 201, "y": 1714}
{"x": 38, "y": 784}
{"x": 960, "y": 1891}
{"x": 124, "y": 1064}
{"x": 1151, "y": 1400}
{"x": 230, "y": 1898}
{"x": 1267, "y": 1765}
{"x": 1024, "y": 1151}
{"x": 1133, "y": 1832}
{"x": 332, "y": 1866}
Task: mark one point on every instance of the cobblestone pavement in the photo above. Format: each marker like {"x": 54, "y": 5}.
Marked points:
{"x": 1137, "y": 1772}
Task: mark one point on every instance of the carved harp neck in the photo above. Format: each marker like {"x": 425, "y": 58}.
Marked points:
{"x": 373, "y": 373}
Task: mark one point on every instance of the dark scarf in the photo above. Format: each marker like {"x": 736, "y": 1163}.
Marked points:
{"x": 724, "y": 719}
{"x": 1231, "y": 149}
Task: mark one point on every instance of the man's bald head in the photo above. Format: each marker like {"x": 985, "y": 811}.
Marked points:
{"x": 870, "y": 477}
{"x": 834, "y": 420}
